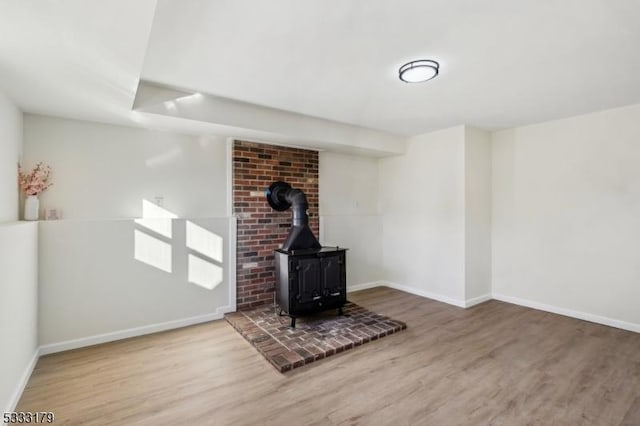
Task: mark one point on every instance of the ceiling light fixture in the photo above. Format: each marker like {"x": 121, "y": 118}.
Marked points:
{"x": 418, "y": 71}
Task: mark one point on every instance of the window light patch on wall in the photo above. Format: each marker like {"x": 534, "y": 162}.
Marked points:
{"x": 156, "y": 219}
{"x": 152, "y": 251}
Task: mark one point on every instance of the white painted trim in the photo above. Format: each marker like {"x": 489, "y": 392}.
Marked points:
{"x": 133, "y": 332}
{"x": 229, "y": 164}
{"x": 364, "y": 286}
{"x": 435, "y": 296}
{"x": 321, "y": 229}
{"x": 477, "y": 300}
{"x": 417, "y": 292}
{"x": 569, "y": 312}
{"x": 427, "y": 294}
{"x": 233, "y": 240}
{"x": 24, "y": 379}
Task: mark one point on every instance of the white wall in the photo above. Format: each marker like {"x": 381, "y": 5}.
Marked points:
{"x": 92, "y": 287}
{"x": 10, "y": 150}
{"x": 95, "y": 288}
{"x": 566, "y": 209}
{"x": 477, "y": 213}
{"x": 348, "y": 187}
{"x": 105, "y": 171}
{"x": 18, "y": 268}
{"x": 18, "y": 314}
{"x": 422, "y": 199}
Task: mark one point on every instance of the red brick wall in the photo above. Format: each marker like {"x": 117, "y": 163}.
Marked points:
{"x": 260, "y": 228}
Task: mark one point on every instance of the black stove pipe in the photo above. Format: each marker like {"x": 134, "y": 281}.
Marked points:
{"x": 281, "y": 196}
{"x": 299, "y": 205}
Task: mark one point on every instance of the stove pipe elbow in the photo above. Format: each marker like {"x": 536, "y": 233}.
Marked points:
{"x": 299, "y": 205}
{"x": 281, "y": 196}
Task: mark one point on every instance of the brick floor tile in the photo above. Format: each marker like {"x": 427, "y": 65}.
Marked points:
{"x": 315, "y": 337}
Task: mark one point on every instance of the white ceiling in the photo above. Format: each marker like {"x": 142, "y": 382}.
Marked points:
{"x": 74, "y": 58}
{"x": 503, "y": 62}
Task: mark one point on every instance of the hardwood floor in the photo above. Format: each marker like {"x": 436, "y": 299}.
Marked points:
{"x": 494, "y": 364}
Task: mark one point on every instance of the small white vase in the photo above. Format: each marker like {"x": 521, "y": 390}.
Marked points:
{"x": 31, "y": 208}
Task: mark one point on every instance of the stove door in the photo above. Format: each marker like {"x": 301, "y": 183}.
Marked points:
{"x": 309, "y": 285}
{"x": 333, "y": 276}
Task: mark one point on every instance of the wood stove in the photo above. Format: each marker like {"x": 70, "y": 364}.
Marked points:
{"x": 312, "y": 280}
{"x": 309, "y": 278}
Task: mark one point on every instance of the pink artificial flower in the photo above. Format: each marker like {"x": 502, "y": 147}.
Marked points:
{"x": 36, "y": 181}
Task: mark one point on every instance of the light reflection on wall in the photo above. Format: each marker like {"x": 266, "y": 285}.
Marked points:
{"x": 153, "y": 242}
{"x": 204, "y": 242}
{"x": 156, "y": 218}
{"x": 152, "y": 251}
{"x": 204, "y": 273}
{"x": 202, "y": 269}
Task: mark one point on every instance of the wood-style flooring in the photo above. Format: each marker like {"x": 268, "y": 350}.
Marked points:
{"x": 494, "y": 364}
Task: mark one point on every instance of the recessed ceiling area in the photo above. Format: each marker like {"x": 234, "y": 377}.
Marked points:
{"x": 78, "y": 59}
{"x": 502, "y": 63}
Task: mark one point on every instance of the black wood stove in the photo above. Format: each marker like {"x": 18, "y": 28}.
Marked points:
{"x": 310, "y": 278}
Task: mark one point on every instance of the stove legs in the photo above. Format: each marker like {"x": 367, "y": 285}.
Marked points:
{"x": 293, "y": 318}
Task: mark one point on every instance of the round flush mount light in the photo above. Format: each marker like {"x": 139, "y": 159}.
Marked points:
{"x": 418, "y": 71}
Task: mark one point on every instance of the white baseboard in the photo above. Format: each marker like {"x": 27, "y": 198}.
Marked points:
{"x": 132, "y": 332}
{"x": 364, "y": 286}
{"x": 598, "y": 319}
{"x": 435, "y": 296}
{"x": 427, "y": 294}
{"x": 223, "y": 310}
{"x": 624, "y": 325}
{"x": 629, "y": 326}
{"x": 477, "y": 300}
{"x": 24, "y": 379}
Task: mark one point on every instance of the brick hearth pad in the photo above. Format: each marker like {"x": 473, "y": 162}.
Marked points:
{"x": 315, "y": 337}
